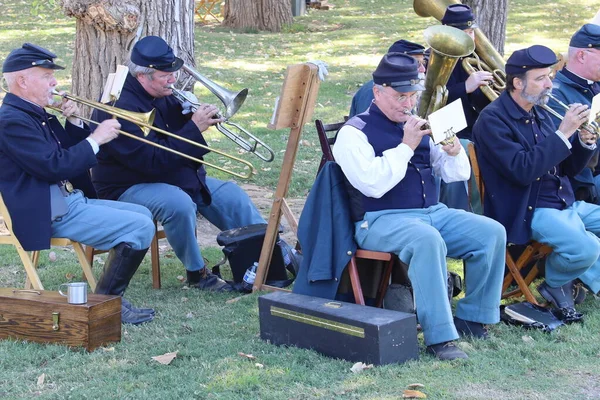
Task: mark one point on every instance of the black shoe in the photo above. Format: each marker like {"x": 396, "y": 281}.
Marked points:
{"x": 567, "y": 315}
{"x": 470, "y": 329}
{"x": 130, "y": 306}
{"x": 205, "y": 280}
{"x": 560, "y": 297}
{"x": 131, "y": 317}
{"x": 446, "y": 351}
{"x": 119, "y": 268}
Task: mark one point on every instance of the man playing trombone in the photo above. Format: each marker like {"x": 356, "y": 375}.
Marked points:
{"x": 36, "y": 163}
{"x": 525, "y": 161}
{"x": 172, "y": 187}
{"x": 579, "y": 82}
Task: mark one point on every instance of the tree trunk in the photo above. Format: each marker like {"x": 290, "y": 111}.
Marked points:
{"x": 108, "y": 29}
{"x": 491, "y": 17}
{"x": 257, "y": 15}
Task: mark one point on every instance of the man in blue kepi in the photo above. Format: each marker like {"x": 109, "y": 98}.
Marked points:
{"x": 579, "y": 82}
{"x": 390, "y": 162}
{"x": 38, "y": 157}
{"x": 173, "y": 188}
{"x": 526, "y": 162}
{"x": 364, "y": 96}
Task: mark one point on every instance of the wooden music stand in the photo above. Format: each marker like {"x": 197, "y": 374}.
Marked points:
{"x": 295, "y": 106}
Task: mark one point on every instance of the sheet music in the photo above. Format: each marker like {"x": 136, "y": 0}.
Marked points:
{"x": 447, "y": 121}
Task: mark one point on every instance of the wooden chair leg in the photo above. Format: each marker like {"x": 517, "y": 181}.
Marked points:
{"x": 85, "y": 265}
{"x": 384, "y": 284}
{"x": 154, "y": 257}
{"x": 519, "y": 279}
{"x": 33, "y": 279}
{"x": 355, "y": 282}
{"x": 89, "y": 255}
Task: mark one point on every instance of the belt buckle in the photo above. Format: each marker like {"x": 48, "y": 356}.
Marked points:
{"x": 69, "y": 187}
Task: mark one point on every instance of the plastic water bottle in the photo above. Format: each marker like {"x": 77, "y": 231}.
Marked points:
{"x": 249, "y": 277}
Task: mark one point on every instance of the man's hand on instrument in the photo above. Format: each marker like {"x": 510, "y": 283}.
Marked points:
{"x": 477, "y": 79}
{"x": 573, "y": 119}
{"x": 413, "y": 134}
{"x": 204, "y": 117}
{"x": 106, "y": 131}
{"x": 587, "y": 137}
{"x": 70, "y": 110}
{"x": 452, "y": 148}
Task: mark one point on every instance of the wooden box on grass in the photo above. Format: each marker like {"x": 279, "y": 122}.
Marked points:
{"x": 46, "y": 317}
{"x": 337, "y": 329}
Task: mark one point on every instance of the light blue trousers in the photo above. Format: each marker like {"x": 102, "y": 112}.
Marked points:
{"x": 176, "y": 211}
{"x": 103, "y": 224}
{"x": 573, "y": 235}
{"x": 423, "y": 238}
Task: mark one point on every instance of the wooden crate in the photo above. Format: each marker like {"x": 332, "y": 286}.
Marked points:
{"x": 46, "y": 317}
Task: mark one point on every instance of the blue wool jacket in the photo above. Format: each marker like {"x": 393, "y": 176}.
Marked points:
{"x": 570, "y": 89}
{"x": 512, "y": 163}
{"x": 125, "y": 162}
{"x": 362, "y": 99}
{"x": 472, "y": 103}
{"x": 326, "y": 233}
{"x": 31, "y": 159}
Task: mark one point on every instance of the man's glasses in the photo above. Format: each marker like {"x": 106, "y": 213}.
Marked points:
{"x": 403, "y": 98}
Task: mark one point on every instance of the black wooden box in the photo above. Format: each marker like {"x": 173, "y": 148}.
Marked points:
{"x": 337, "y": 329}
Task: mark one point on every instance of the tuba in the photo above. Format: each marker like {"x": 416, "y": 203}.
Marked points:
{"x": 447, "y": 44}
{"x": 487, "y": 57}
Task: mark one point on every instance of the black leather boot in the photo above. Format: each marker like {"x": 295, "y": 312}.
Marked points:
{"x": 119, "y": 268}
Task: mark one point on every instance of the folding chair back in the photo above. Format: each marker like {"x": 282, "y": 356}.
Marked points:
{"x": 526, "y": 268}
{"x": 326, "y": 133}
{"x": 30, "y": 261}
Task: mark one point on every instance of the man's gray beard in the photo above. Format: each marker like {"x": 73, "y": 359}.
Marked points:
{"x": 539, "y": 100}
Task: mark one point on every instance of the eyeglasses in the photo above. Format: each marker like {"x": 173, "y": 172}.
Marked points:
{"x": 403, "y": 98}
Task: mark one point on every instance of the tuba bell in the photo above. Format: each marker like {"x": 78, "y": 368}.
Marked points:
{"x": 447, "y": 44}
{"x": 486, "y": 56}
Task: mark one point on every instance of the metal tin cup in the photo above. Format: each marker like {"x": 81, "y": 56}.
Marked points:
{"x": 76, "y": 292}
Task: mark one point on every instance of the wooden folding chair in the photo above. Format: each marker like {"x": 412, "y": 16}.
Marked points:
{"x": 324, "y": 131}
{"x": 30, "y": 261}
{"x": 528, "y": 260}
{"x": 90, "y": 252}
{"x": 204, "y": 8}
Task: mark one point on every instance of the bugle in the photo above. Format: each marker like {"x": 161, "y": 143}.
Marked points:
{"x": 592, "y": 126}
{"x": 144, "y": 121}
{"x": 232, "y": 102}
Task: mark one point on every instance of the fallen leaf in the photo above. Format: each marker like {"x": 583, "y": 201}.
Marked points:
{"x": 52, "y": 256}
{"x": 108, "y": 349}
{"x": 180, "y": 278}
{"x": 259, "y": 365}
{"x": 528, "y": 339}
{"x": 40, "y": 380}
{"x": 166, "y": 358}
{"x": 189, "y": 315}
{"x": 69, "y": 276}
{"x": 413, "y": 394}
{"x": 234, "y": 300}
{"x": 184, "y": 299}
{"x": 360, "y": 366}
{"x": 248, "y": 356}
{"x": 415, "y": 386}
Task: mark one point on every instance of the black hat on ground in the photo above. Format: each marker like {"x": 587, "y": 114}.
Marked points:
{"x": 154, "y": 52}
{"x": 399, "y": 71}
{"x": 29, "y": 56}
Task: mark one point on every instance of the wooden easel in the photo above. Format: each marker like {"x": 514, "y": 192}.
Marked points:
{"x": 296, "y": 105}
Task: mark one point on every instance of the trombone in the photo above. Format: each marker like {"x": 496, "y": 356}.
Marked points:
{"x": 144, "y": 121}
{"x": 592, "y": 127}
{"x": 232, "y": 102}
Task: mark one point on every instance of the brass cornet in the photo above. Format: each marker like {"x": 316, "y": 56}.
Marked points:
{"x": 232, "y": 102}
{"x": 592, "y": 127}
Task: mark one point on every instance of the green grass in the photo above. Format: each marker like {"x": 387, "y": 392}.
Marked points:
{"x": 350, "y": 38}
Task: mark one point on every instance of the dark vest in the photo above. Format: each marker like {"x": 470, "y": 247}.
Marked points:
{"x": 417, "y": 189}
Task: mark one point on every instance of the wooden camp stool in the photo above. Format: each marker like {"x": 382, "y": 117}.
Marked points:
{"x": 159, "y": 233}
{"x": 30, "y": 261}
{"x": 533, "y": 252}
{"x": 204, "y": 8}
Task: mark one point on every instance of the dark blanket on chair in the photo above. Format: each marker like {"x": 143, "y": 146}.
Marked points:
{"x": 326, "y": 233}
